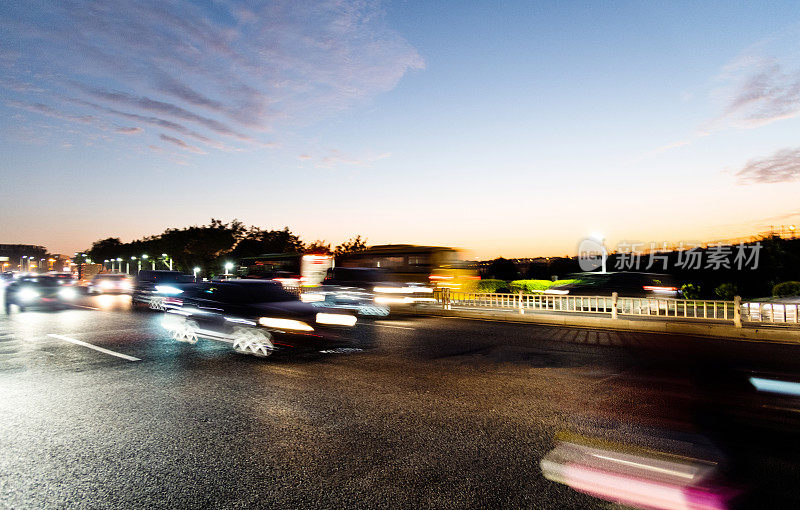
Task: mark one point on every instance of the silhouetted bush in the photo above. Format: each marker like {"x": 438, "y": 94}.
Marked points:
{"x": 726, "y": 291}
{"x": 691, "y": 291}
{"x": 786, "y": 289}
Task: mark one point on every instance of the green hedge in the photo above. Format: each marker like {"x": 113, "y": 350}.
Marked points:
{"x": 785, "y": 289}
{"x": 491, "y": 285}
{"x": 529, "y": 286}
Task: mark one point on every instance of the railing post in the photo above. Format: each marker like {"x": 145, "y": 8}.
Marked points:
{"x": 737, "y": 311}
{"x": 521, "y": 306}
{"x": 614, "y": 297}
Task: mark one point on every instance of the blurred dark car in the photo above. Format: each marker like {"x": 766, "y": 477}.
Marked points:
{"x": 38, "y": 292}
{"x": 257, "y": 317}
{"x": 369, "y": 291}
{"x": 110, "y": 283}
{"x": 151, "y": 287}
{"x": 6, "y": 279}
{"x": 625, "y": 284}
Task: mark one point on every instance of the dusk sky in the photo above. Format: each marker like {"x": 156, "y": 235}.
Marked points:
{"x": 508, "y": 128}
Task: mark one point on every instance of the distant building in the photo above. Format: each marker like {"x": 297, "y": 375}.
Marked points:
{"x": 22, "y": 257}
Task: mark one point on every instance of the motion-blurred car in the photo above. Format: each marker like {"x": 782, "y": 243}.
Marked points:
{"x": 368, "y": 291}
{"x": 65, "y": 276}
{"x": 145, "y": 288}
{"x": 257, "y": 317}
{"x": 109, "y": 283}
{"x": 624, "y": 284}
{"x": 38, "y": 292}
{"x": 6, "y": 279}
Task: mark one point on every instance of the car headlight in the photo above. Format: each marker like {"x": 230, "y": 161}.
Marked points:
{"x": 28, "y": 294}
{"x": 169, "y": 290}
{"x": 339, "y": 319}
{"x": 272, "y": 322}
{"x": 311, "y": 297}
{"x": 125, "y": 284}
{"x": 105, "y": 284}
{"x": 67, "y": 293}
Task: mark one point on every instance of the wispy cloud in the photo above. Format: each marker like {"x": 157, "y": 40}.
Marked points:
{"x": 212, "y": 71}
{"x": 758, "y": 87}
{"x": 129, "y": 130}
{"x": 49, "y": 111}
{"x": 180, "y": 143}
{"x": 166, "y": 109}
{"x": 783, "y": 166}
{"x": 761, "y": 91}
{"x": 336, "y": 158}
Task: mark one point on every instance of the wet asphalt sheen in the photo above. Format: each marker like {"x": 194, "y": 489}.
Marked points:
{"x": 429, "y": 413}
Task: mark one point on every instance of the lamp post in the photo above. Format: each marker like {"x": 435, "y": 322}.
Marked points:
{"x": 228, "y": 267}
{"x": 194, "y": 272}
{"x": 152, "y": 261}
{"x": 167, "y": 259}
{"x": 140, "y": 263}
{"x": 22, "y": 262}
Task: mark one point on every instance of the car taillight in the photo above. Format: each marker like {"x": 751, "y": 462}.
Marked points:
{"x": 654, "y": 288}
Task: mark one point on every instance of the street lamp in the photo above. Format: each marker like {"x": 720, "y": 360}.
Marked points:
{"x": 167, "y": 259}
{"x": 228, "y": 267}
{"x": 195, "y": 271}
{"x": 601, "y": 238}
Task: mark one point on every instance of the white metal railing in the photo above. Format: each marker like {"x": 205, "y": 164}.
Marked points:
{"x": 768, "y": 312}
{"x": 697, "y": 309}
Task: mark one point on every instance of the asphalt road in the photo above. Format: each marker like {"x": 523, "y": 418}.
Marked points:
{"x": 432, "y": 412}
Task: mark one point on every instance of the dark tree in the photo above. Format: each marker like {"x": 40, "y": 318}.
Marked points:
{"x": 352, "y": 245}
{"x": 502, "y": 269}
{"x": 319, "y": 248}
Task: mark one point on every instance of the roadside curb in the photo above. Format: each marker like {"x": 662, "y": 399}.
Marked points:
{"x": 775, "y": 334}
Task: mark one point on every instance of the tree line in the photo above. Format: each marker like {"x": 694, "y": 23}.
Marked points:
{"x": 209, "y": 246}
{"x": 776, "y": 268}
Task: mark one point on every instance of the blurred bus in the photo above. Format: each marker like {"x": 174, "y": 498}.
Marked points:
{"x": 438, "y": 266}
{"x": 291, "y": 269}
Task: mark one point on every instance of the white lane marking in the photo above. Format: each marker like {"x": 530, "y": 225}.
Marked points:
{"x": 387, "y": 326}
{"x": 87, "y": 307}
{"x": 96, "y": 348}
